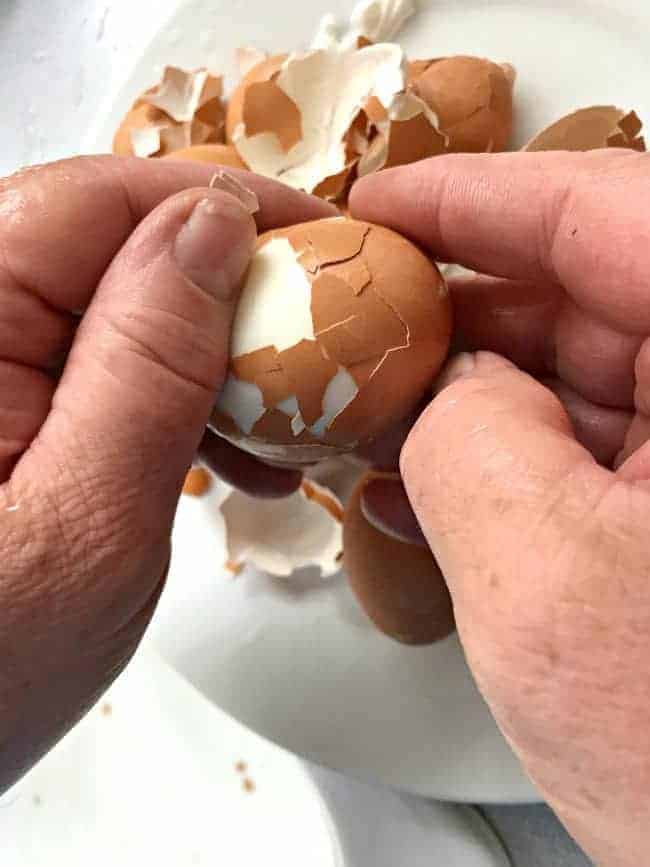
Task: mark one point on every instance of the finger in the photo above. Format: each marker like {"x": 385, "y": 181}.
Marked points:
{"x": 145, "y": 366}
{"x": 541, "y": 330}
{"x": 634, "y": 458}
{"x": 545, "y": 554}
{"x": 499, "y": 485}
{"x": 31, "y": 332}
{"x": 243, "y": 471}
{"x": 542, "y": 217}
{"x": 511, "y": 318}
{"x": 399, "y": 586}
{"x": 600, "y": 429}
{"x": 383, "y": 453}
{"x": 25, "y": 397}
{"x": 386, "y": 506}
{"x": 81, "y": 211}
{"x": 593, "y": 358}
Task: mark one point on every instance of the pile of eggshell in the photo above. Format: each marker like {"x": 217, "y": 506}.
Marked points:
{"x": 342, "y": 325}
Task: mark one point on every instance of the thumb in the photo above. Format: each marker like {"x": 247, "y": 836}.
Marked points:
{"x": 545, "y": 553}
{"x": 506, "y": 498}
{"x": 148, "y": 359}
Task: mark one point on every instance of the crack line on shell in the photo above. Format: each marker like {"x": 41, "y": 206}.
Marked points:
{"x": 323, "y": 265}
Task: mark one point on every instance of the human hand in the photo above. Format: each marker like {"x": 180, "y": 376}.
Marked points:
{"x": 535, "y": 498}
{"x": 101, "y": 414}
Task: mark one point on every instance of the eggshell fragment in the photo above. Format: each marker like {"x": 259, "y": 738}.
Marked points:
{"x": 261, "y": 72}
{"x": 371, "y": 21}
{"x": 405, "y": 133}
{"x": 471, "y": 98}
{"x": 217, "y": 154}
{"x": 139, "y": 133}
{"x": 296, "y": 118}
{"x": 597, "y": 126}
{"x": 197, "y": 482}
{"x": 228, "y": 183}
{"x": 184, "y": 109}
{"x": 399, "y": 586}
{"x": 341, "y": 327}
{"x": 280, "y": 536}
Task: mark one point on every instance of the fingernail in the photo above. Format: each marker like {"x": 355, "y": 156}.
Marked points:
{"x": 384, "y": 504}
{"x": 214, "y": 246}
{"x": 460, "y": 365}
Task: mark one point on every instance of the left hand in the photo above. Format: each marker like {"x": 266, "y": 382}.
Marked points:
{"x": 118, "y": 282}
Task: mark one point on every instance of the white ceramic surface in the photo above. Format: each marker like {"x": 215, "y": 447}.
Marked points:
{"x": 150, "y": 777}
{"x": 298, "y": 662}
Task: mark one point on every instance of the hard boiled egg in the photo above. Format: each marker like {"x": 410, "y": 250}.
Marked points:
{"x": 340, "y": 329}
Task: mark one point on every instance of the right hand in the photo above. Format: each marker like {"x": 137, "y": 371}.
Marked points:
{"x": 529, "y": 473}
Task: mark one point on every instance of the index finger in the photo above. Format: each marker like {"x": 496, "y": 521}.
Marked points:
{"x": 573, "y": 219}
{"x": 63, "y": 223}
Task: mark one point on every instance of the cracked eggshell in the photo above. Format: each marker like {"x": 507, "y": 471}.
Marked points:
{"x": 340, "y": 329}
{"x": 217, "y": 154}
{"x": 280, "y": 536}
{"x": 184, "y": 109}
{"x": 261, "y": 73}
{"x": 405, "y": 133}
{"x": 470, "y": 96}
{"x": 399, "y": 586}
{"x": 597, "y": 126}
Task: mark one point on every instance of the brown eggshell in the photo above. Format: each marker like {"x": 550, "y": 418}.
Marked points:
{"x": 140, "y": 116}
{"x": 472, "y": 98}
{"x": 263, "y": 71}
{"x": 412, "y": 140}
{"x": 399, "y": 586}
{"x": 205, "y": 126}
{"x": 267, "y": 108}
{"x": 381, "y": 319}
{"x": 597, "y": 126}
{"x": 217, "y": 154}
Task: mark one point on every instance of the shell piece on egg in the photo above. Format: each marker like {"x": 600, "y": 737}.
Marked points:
{"x": 399, "y": 586}
{"x": 290, "y": 117}
{"x": 184, "y": 109}
{"x": 597, "y": 126}
{"x": 340, "y": 329}
{"x": 471, "y": 98}
{"x": 280, "y": 536}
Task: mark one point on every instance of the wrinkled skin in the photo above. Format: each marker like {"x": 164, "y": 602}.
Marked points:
{"x": 101, "y": 414}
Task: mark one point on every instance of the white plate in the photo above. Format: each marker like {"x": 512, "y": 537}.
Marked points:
{"x": 299, "y": 663}
{"x": 150, "y": 777}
